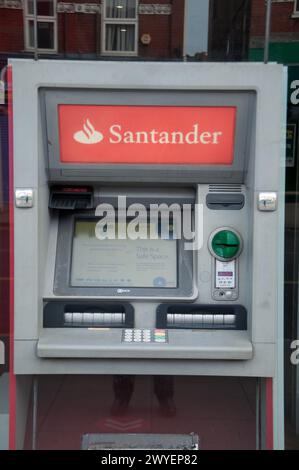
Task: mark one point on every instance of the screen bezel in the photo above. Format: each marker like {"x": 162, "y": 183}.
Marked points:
{"x": 63, "y": 263}
{"x": 243, "y": 100}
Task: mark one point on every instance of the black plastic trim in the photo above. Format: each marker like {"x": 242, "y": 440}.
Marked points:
{"x": 223, "y": 201}
{"x": 53, "y": 315}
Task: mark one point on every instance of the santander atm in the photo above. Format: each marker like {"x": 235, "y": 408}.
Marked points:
{"x": 147, "y": 254}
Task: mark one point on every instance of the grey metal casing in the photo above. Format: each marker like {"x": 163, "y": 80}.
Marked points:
{"x": 36, "y": 229}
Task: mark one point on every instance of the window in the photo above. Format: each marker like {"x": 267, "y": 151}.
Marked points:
{"x": 296, "y": 9}
{"x": 46, "y": 25}
{"x": 119, "y": 28}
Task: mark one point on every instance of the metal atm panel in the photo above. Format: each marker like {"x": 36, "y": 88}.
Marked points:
{"x": 222, "y": 318}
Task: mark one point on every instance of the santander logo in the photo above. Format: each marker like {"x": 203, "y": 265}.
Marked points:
{"x": 147, "y": 134}
{"x": 88, "y": 135}
{"x": 116, "y": 136}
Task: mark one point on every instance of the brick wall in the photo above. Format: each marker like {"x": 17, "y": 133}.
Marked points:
{"x": 159, "y": 30}
{"x": 11, "y": 30}
{"x": 166, "y": 31}
{"x": 281, "y": 19}
{"x": 177, "y": 27}
{"x": 77, "y": 33}
{"x": 80, "y": 33}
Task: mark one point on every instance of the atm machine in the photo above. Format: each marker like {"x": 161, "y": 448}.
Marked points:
{"x": 147, "y": 218}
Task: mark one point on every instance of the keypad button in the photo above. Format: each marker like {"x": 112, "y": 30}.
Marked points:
{"x": 229, "y": 319}
{"x": 77, "y": 317}
{"x": 218, "y": 319}
{"x": 68, "y": 317}
{"x": 146, "y": 335}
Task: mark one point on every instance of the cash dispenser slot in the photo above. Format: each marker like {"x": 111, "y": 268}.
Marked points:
{"x": 181, "y": 316}
{"x": 91, "y": 315}
{"x": 71, "y": 198}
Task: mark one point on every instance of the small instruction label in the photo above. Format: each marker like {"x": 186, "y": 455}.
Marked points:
{"x": 225, "y": 274}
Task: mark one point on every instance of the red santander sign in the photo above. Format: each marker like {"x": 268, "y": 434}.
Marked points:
{"x": 146, "y": 134}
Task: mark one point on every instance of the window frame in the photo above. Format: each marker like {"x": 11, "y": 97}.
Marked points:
{"x": 296, "y": 9}
{"x": 40, "y": 19}
{"x": 118, "y": 21}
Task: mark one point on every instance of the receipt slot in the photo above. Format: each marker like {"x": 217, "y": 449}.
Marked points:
{"x": 147, "y": 290}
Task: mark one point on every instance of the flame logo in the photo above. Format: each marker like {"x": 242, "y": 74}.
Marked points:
{"x": 88, "y": 135}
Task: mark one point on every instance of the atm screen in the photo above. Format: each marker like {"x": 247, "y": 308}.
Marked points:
{"x": 146, "y": 263}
